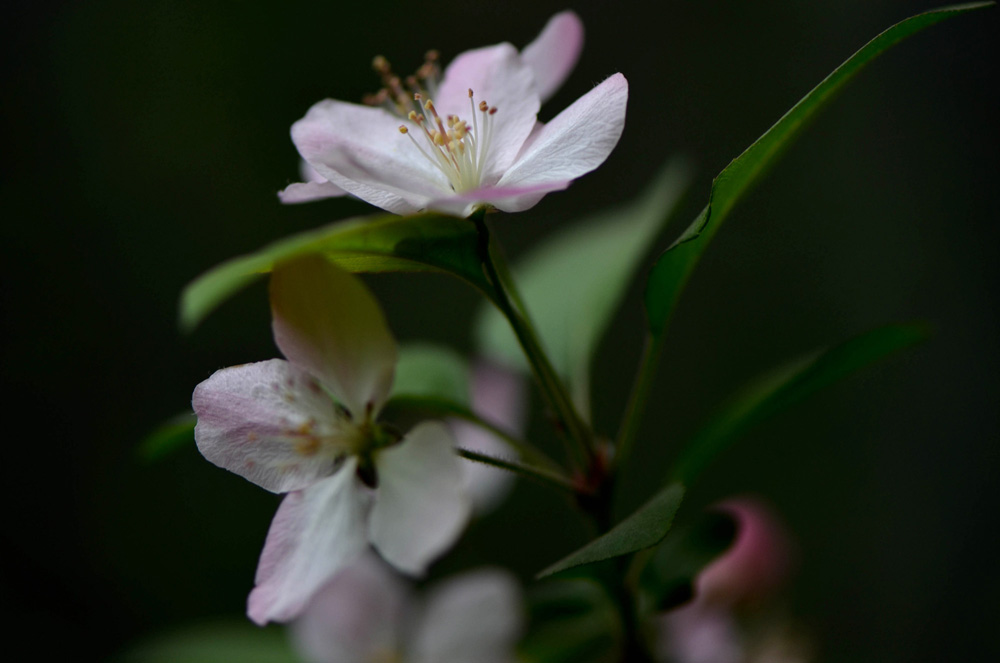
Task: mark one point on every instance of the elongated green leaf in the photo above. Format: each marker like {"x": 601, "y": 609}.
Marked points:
{"x": 386, "y": 243}
{"x": 674, "y": 266}
{"x": 170, "y": 436}
{"x": 431, "y": 371}
{"x": 571, "y": 621}
{"x": 215, "y": 643}
{"x": 786, "y": 386}
{"x": 572, "y": 283}
{"x": 645, "y": 527}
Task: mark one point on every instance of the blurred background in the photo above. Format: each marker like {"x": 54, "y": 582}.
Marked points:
{"x": 145, "y": 142}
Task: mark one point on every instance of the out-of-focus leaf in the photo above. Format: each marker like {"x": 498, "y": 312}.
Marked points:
{"x": 170, "y": 436}
{"x": 674, "y": 266}
{"x": 573, "y": 282}
{"x": 386, "y": 243}
{"x": 215, "y": 643}
{"x": 668, "y": 577}
{"x": 431, "y": 371}
{"x": 571, "y": 621}
{"x": 786, "y": 386}
{"x": 645, "y": 527}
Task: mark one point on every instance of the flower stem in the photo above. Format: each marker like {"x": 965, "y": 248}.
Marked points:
{"x": 442, "y": 407}
{"x": 649, "y": 362}
{"x": 545, "y": 476}
{"x": 551, "y": 386}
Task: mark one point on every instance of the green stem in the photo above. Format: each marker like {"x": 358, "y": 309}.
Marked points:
{"x": 549, "y": 477}
{"x": 629, "y": 429}
{"x": 551, "y": 386}
{"x": 442, "y": 407}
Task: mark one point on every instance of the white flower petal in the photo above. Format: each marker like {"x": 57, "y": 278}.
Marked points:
{"x": 306, "y": 192}
{"x": 356, "y": 617}
{"x": 576, "y": 141}
{"x": 326, "y": 322}
{"x": 498, "y": 76}
{"x": 420, "y": 508}
{"x": 554, "y": 52}
{"x": 360, "y": 149}
{"x": 269, "y": 422}
{"x": 472, "y": 618}
{"x": 315, "y": 533}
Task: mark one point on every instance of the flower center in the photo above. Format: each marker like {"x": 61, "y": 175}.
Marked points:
{"x": 450, "y": 144}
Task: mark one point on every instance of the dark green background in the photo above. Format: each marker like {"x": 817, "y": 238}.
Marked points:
{"x": 145, "y": 141}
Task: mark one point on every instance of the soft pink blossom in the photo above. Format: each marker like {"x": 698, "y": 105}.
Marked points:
{"x": 367, "y": 613}
{"x": 309, "y": 426}
{"x": 470, "y": 140}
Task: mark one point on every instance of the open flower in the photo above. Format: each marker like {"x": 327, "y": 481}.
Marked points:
{"x": 366, "y": 613}
{"x": 468, "y": 140}
{"x": 308, "y": 426}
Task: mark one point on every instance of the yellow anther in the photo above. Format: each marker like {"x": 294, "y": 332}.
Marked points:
{"x": 470, "y": 93}
{"x": 483, "y": 106}
{"x": 380, "y": 64}
{"x": 403, "y": 129}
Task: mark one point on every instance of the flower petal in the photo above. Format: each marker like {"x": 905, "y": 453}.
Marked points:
{"x": 576, "y": 141}
{"x": 326, "y": 322}
{"x": 507, "y": 199}
{"x": 306, "y": 192}
{"x": 472, "y": 617}
{"x": 269, "y": 422}
{"x": 315, "y": 533}
{"x": 554, "y": 52}
{"x": 420, "y": 506}
{"x": 356, "y": 616}
{"x": 360, "y": 149}
{"x": 498, "y": 76}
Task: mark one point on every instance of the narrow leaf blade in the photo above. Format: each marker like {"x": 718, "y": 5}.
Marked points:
{"x": 386, "y": 243}
{"x": 787, "y": 386}
{"x": 674, "y": 266}
{"x": 645, "y": 527}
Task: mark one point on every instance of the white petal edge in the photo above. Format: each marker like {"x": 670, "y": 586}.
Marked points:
{"x": 307, "y": 192}
{"x": 420, "y": 507}
{"x": 269, "y": 422}
{"x": 315, "y": 533}
{"x": 476, "y": 617}
{"x": 576, "y": 141}
{"x": 554, "y": 52}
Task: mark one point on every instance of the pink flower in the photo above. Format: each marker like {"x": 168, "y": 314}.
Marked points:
{"x": 309, "y": 426}
{"x": 366, "y": 613}
{"x": 471, "y": 140}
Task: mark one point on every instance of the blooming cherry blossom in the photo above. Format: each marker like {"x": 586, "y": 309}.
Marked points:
{"x": 367, "y": 613}
{"x": 309, "y": 426}
{"x": 471, "y": 139}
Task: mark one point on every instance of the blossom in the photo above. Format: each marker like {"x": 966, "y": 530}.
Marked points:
{"x": 366, "y": 613}
{"x": 308, "y": 426}
{"x": 468, "y": 140}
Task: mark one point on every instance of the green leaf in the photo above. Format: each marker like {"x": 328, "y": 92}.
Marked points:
{"x": 170, "y": 436}
{"x": 785, "y": 387}
{"x": 674, "y": 266}
{"x": 386, "y": 243}
{"x": 426, "y": 370}
{"x": 572, "y": 283}
{"x": 667, "y": 580}
{"x": 643, "y": 528}
{"x": 215, "y": 643}
{"x": 571, "y": 621}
